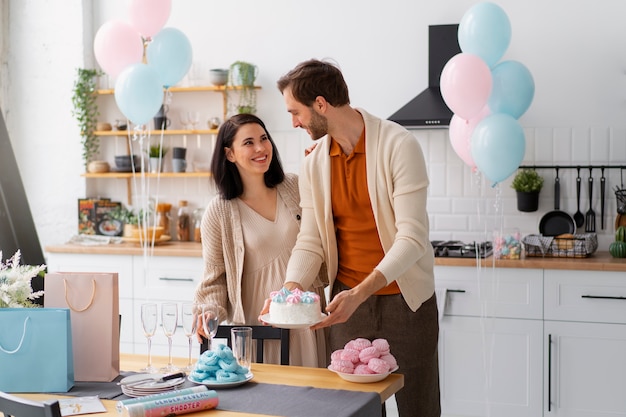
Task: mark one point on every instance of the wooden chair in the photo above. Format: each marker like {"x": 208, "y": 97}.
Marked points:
{"x": 12, "y": 406}
{"x": 260, "y": 334}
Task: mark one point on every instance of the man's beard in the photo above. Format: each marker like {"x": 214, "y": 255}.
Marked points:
{"x": 318, "y": 126}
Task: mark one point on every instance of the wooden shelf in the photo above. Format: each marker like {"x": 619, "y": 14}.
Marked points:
{"x": 111, "y": 175}
{"x": 125, "y": 133}
{"x": 129, "y": 176}
{"x": 188, "y": 89}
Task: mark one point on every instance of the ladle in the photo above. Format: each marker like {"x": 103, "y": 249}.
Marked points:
{"x": 579, "y": 217}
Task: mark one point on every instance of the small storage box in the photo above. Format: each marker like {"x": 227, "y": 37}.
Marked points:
{"x": 578, "y": 246}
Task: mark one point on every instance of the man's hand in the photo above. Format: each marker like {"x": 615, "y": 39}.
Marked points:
{"x": 346, "y": 302}
{"x": 308, "y": 150}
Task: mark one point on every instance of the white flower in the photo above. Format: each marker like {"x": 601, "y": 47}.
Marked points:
{"x": 15, "y": 289}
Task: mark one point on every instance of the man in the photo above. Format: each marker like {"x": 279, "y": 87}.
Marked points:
{"x": 363, "y": 195}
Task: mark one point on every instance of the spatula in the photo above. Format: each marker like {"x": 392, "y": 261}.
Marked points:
{"x": 579, "y": 217}
{"x": 590, "y": 216}
{"x": 602, "y": 191}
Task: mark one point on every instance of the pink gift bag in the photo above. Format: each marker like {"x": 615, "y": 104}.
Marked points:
{"x": 93, "y": 300}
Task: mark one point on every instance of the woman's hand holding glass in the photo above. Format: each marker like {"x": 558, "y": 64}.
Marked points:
{"x": 209, "y": 322}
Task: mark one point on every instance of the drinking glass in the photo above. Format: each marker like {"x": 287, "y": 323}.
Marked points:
{"x": 190, "y": 321}
{"x": 149, "y": 323}
{"x": 184, "y": 119}
{"x": 241, "y": 339}
{"x": 210, "y": 321}
{"x": 169, "y": 321}
{"x": 194, "y": 119}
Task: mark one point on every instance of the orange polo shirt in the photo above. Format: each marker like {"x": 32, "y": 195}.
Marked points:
{"x": 358, "y": 243}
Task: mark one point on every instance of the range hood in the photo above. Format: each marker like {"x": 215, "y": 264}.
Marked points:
{"x": 428, "y": 110}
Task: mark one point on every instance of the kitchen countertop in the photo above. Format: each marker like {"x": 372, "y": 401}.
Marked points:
{"x": 599, "y": 261}
{"x": 173, "y": 248}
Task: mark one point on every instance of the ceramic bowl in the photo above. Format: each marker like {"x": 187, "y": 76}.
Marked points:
{"x": 155, "y": 232}
{"x": 218, "y": 76}
{"x": 98, "y": 166}
{"x": 103, "y": 126}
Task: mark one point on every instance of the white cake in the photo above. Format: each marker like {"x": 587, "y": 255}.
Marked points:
{"x": 294, "y": 307}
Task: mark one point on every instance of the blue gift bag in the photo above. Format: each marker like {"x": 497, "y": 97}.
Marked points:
{"x": 36, "y": 350}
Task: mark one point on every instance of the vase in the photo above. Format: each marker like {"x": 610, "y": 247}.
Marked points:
{"x": 156, "y": 165}
{"x": 527, "y": 202}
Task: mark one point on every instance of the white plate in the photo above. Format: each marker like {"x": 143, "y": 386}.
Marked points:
{"x": 213, "y": 384}
{"x": 150, "y": 385}
{"x": 363, "y": 379}
{"x": 266, "y": 319}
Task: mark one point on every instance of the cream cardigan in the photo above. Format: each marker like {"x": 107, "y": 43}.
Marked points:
{"x": 397, "y": 183}
{"x": 223, "y": 252}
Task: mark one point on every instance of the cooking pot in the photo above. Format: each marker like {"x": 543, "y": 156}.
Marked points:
{"x": 557, "y": 222}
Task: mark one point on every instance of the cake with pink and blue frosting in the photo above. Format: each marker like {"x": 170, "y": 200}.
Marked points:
{"x": 294, "y": 307}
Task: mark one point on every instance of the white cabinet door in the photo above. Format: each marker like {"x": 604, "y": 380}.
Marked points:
{"x": 585, "y": 373}
{"x": 490, "y": 366}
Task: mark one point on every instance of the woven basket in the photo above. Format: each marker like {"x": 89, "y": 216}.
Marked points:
{"x": 578, "y": 246}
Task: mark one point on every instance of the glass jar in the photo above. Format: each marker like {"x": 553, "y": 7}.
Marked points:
{"x": 183, "y": 222}
{"x": 197, "y": 224}
{"x": 163, "y": 217}
{"x": 507, "y": 244}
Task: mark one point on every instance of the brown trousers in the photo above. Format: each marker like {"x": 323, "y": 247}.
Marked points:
{"x": 413, "y": 338}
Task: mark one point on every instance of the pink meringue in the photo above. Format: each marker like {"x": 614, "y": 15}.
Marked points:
{"x": 378, "y": 365}
{"x": 369, "y": 353}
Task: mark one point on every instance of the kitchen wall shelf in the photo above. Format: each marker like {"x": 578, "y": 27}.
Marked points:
{"x": 201, "y": 88}
{"x": 129, "y": 176}
{"x": 124, "y": 133}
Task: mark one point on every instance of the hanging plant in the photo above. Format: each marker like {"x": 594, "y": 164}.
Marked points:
{"x": 241, "y": 77}
{"x": 86, "y": 111}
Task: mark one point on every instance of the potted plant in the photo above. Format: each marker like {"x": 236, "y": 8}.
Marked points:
{"x": 527, "y": 183}
{"x": 156, "y": 154}
{"x": 86, "y": 110}
{"x": 127, "y": 217}
{"x": 241, "y": 76}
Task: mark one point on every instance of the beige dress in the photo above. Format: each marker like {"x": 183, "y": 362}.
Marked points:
{"x": 268, "y": 246}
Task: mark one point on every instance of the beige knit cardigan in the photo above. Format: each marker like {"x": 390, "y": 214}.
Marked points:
{"x": 223, "y": 253}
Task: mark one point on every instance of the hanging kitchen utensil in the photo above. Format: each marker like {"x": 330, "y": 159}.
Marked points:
{"x": 557, "y": 222}
{"x": 579, "y": 217}
{"x": 590, "y": 216}
{"x": 602, "y": 191}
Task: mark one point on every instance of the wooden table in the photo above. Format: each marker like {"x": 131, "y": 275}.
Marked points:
{"x": 270, "y": 374}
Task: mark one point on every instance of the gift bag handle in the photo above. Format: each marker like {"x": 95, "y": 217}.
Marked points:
{"x": 10, "y": 352}
{"x": 93, "y": 296}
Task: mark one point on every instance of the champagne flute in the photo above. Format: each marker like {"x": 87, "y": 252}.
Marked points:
{"x": 190, "y": 321}
{"x": 210, "y": 321}
{"x": 169, "y": 321}
{"x": 149, "y": 323}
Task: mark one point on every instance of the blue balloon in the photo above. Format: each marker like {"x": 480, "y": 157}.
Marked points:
{"x": 498, "y": 146}
{"x": 485, "y": 31}
{"x": 513, "y": 89}
{"x": 138, "y": 93}
{"x": 169, "y": 53}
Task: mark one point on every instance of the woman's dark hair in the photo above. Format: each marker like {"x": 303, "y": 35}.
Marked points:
{"x": 225, "y": 173}
{"x": 314, "y": 78}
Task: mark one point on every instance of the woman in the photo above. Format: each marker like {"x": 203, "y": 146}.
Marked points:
{"x": 248, "y": 231}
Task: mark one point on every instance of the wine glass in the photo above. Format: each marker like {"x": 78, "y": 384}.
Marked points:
{"x": 184, "y": 119}
{"x": 210, "y": 321}
{"x": 194, "y": 119}
{"x": 149, "y": 323}
{"x": 169, "y": 321}
{"x": 190, "y": 321}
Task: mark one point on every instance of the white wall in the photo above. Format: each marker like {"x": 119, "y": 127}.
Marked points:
{"x": 576, "y": 52}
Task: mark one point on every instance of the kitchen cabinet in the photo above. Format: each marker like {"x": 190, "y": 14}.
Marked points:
{"x": 533, "y": 342}
{"x": 490, "y": 341}
{"x": 585, "y": 344}
{"x": 142, "y": 279}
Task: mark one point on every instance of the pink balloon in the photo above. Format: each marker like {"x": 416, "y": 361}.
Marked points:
{"x": 460, "y": 131}
{"x": 466, "y": 84}
{"x": 117, "y": 45}
{"x": 149, "y": 16}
